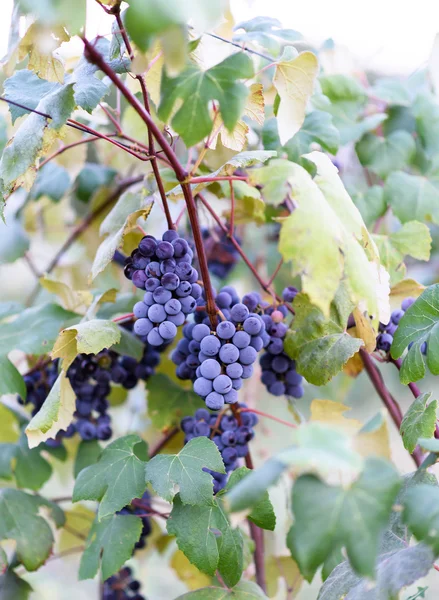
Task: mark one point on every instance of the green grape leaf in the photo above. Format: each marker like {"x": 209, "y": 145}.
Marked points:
{"x": 266, "y": 32}
{"x": 317, "y": 128}
{"x": 31, "y": 470}
{"x": 88, "y": 337}
{"x": 52, "y": 181}
{"x": 426, "y": 114}
{"x": 55, "y": 414}
{"x": 371, "y": 204}
{"x": 168, "y": 402}
{"x": 412, "y": 197}
{"x": 57, "y": 12}
{"x": 129, "y": 344}
{"x": 25, "y": 87}
{"x": 111, "y": 542}
{"x": 320, "y": 346}
{"x": 116, "y": 478}
{"x": 421, "y": 514}
{"x": 8, "y": 309}
{"x": 419, "y": 324}
{"x": 262, "y": 513}
{"x": 196, "y": 88}
{"x": 119, "y": 221}
{"x": 355, "y": 517}
{"x": 33, "y": 137}
{"x": 325, "y": 237}
{"x": 294, "y": 80}
{"x": 239, "y": 161}
{"x": 419, "y": 421}
{"x": 91, "y": 177}
{"x": 34, "y": 330}
{"x": 245, "y": 590}
{"x": 385, "y": 155}
{"x": 22, "y": 521}
{"x": 392, "y": 91}
{"x": 412, "y": 239}
{"x": 88, "y": 454}
{"x": 14, "y": 240}
{"x": 11, "y": 381}
{"x": 185, "y": 470}
{"x": 395, "y": 570}
{"x": 12, "y": 587}
{"x": 205, "y": 536}
{"x": 316, "y": 447}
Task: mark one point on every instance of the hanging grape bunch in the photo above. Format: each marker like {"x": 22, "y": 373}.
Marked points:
{"x": 138, "y": 507}
{"x": 387, "y": 331}
{"x": 164, "y": 269}
{"x": 38, "y": 383}
{"x": 230, "y": 436}
{"x": 122, "y": 586}
{"x": 221, "y": 253}
{"x": 217, "y": 360}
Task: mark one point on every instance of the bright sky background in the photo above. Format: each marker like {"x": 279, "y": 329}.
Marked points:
{"x": 387, "y": 35}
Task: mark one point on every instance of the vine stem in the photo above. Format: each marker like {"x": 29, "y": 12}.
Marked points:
{"x": 232, "y": 208}
{"x": 389, "y": 401}
{"x": 272, "y": 417}
{"x": 151, "y": 149}
{"x": 194, "y": 180}
{"x": 85, "y": 223}
{"x": 163, "y": 441}
{"x": 96, "y": 58}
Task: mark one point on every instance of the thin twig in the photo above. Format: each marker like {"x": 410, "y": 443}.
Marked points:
{"x": 272, "y": 417}
{"x": 389, "y": 401}
{"x": 276, "y": 271}
{"x": 163, "y": 441}
{"x": 232, "y": 208}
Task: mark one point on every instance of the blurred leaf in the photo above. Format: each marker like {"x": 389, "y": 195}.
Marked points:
{"x": 26, "y": 88}
{"x": 186, "y": 470}
{"x": 421, "y": 516}
{"x": 12, "y": 587}
{"x": 197, "y": 88}
{"x": 31, "y": 533}
{"x": 266, "y": 32}
{"x": 88, "y": 337}
{"x": 30, "y": 469}
{"x": 92, "y": 177}
{"x": 14, "y": 240}
{"x": 116, "y": 478}
{"x": 87, "y": 454}
{"x": 392, "y": 91}
{"x": 168, "y": 402}
{"x": 11, "y": 382}
{"x": 120, "y": 220}
{"x": 403, "y": 289}
{"x": 282, "y": 567}
{"x": 110, "y": 542}
{"x": 412, "y": 239}
{"x": 187, "y": 572}
{"x": 39, "y": 44}
{"x": 326, "y": 516}
{"x": 34, "y": 330}
{"x": 8, "y": 309}
{"x": 426, "y": 111}
{"x": 317, "y": 128}
{"x": 419, "y": 421}
{"x": 246, "y": 590}
{"x": 196, "y": 527}
{"x": 320, "y": 346}
{"x": 55, "y": 414}
{"x": 418, "y": 325}
{"x": 262, "y": 513}
{"x": 56, "y": 12}
{"x": 412, "y": 197}
{"x": 396, "y": 570}
{"x": 129, "y": 345}
{"x": 52, "y": 181}
{"x": 294, "y": 81}
{"x": 385, "y": 155}
{"x": 70, "y": 299}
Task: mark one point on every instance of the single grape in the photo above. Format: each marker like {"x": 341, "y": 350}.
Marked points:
{"x": 210, "y": 345}
{"x": 210, "y": 368}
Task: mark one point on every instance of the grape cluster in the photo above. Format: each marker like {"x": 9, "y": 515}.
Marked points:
{"x": 279, "y": 373}
{"x": 230, "y": 437}
{"x": 122, "y": 586}
{"x": 222, "y": 255}
{"x": 387, "y": 331}
{"x": 139, "y": 506}
{"x": 218, "y": 361}
{"x": 164, "y": 269}
{"x": 38, "y": 385}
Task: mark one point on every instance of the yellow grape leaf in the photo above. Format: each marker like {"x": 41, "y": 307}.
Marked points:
{"x": 70, "y": 299}
{"x": 404, "y": 289}
{"x": 255, "y": 105}
{"x": 372, "y": 441}
{"x": 9, "y": 428}
{"x": 355, "y": 365}
{"x": 294, "y": 81}
{"x": 364, "y": 329}
{"x": 89, "y": 337}
{"x": 55, "y": 414}
{"x": 282, "y": 568}
{"x": 39, "y": 43}
{"x": 79, "y": 519}
{"x": 188, "y": 573}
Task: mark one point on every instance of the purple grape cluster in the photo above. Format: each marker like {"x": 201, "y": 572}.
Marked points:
{"x": 122, "y": 586}
{"x": 38, "y": 385}
{"x": 138, "y": 507}
{"x": 279, "y": 373}
{"x": 387, "y": 331}
{"x": 164, "y": 269}
{"x": 218, "y": 361}
{"x": 230, "y": 437}
{"x": 221, "y": 253}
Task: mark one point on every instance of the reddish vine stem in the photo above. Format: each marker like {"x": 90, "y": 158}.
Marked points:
{"x": 163, "y": 441}
{"x": 276, "y": 271}
{"x": 272, "y": 417}
{"x": 94, "y": 57}
{"x": 232, "y": 208}
{"x": 127, "y": 317}
{"x": 389, "y": 401}
{"x": 68, "y": 146}
{"x": 151, "y": 149}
